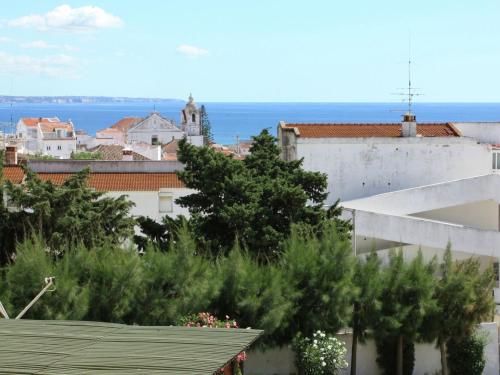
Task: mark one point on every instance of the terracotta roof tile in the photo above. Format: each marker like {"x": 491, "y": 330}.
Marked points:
{"x": 33, "y": 121}
{"x": 122, "y": 181}
{"x": 126, "y": 123}
{"x": 354, "y": 130}
{"x": 13, "y": 173}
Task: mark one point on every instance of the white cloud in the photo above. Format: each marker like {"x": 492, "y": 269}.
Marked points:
{"x": 41, "y": 44}
{"x": 4, "y": 39}
{"x": 60, "y": 65}
{"x": 64, "y": 17}
{"x": 191, "y": 51}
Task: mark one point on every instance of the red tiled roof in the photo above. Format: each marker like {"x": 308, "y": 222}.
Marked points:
{"x": 13, "y": 173}
{"x": 49, "y": 127}
{"x": 126, "y": 123}
{"x": 353, "y": 130}
{"x": 33, "y": 121}
{"x": 122, "y": 181}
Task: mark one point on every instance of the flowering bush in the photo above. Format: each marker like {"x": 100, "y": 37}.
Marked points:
{"x": 321, "y": 355}
{"x": 205, "y": 319}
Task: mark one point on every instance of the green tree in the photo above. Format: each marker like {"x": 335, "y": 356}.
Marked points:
{"x": 366, "y": 304}
{"x": 67, "y": 214}
{"x": 206, "y": 128}
{"x": 254, "y": 200}
{"x": 157, "y": 234}
{"x": 407, "y": 298}
{"x": 175, "y": 283}
{"x": 87, "y": 155}
{"x": 257, "y": 294}
{"x": 464, "y": 296}
{"x": 319, "y": 270}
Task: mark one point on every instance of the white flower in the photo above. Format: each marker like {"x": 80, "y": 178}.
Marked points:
{"x": 315, "y": 341}
{"x": 323, "y": 363}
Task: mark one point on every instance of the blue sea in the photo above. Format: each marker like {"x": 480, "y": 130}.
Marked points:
{"x": 231, "y": 120}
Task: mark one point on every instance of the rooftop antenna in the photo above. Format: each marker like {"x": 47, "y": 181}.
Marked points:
{"x": 409, "y": 92}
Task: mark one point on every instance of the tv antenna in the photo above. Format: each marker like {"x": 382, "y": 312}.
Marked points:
{"x": 409, "y": 92}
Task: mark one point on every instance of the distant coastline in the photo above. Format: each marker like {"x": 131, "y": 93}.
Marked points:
{"x": 82, "y": 99}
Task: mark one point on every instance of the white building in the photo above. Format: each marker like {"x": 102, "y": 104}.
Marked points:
{"x": 153, "y": 186}
{"x": 361, "y": 160}
{"x": 154, "y": 129}
{"x": 464, "y": 213}
{"x": 47, "y": 136}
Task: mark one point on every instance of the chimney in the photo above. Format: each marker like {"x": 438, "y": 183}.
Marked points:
{"x": 10, "y": 155}
{"x": 409, "y": 125}
{"x": 127, "y": 154}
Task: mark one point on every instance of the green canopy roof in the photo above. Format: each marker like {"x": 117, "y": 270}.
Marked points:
{"x": 71, "y": 347}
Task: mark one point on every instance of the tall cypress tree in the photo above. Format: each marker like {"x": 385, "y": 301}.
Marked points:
{"x": 206, "y": 127}
{"x": 407, "y": 298}
{"x": 366, "y": 304}
{"x": 464, "y": 296}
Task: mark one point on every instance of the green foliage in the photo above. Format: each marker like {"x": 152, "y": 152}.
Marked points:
{"x": 464, "y": 297}
{"x": 466, "y": 355}
{"x": 25, "y": 278}
{"x": 256, "y": 294}
{"x": 367, "y": 301}
{"x": 387, "y": 358}
{"x": 320, "y": 355}
{"x": 87, "y": 155}
{"x": 66, "y": 214}
{"x": 175, "y": 283}
{"x": 407, "y": 298}
{"x": 206, "y": 128}
{"x": 159, "y": 235}
{"x": 319, "y": 271}
{"x": 253, "y": 201}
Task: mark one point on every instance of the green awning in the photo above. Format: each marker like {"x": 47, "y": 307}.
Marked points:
{"x": 72, "y": 347}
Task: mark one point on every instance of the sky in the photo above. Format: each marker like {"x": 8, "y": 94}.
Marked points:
{"x": 252, "y": 51}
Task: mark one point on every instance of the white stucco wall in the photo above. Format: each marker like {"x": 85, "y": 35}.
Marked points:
{"x": 67, "y": 147}
{"x": 164, "y": 136}
{"x": 481, "y": 215}
{"x": 361, "y": 167}
{"x": 485, "y": 132}
{"x": 147, "y": 202}
{"x": 280, "y": 361}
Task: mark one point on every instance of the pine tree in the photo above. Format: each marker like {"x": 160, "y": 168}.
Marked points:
{"x": 254, "y": 201}
{"x": 366, "y": 304}
{"x": 407, "y": 298}
{"x": 464, "y": 297}
{"x": 67, "y": 214}
{"x": 206, "y": 128}
{"x": 319, "y": 269}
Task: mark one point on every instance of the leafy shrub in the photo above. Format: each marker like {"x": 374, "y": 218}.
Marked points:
{"x": 320, "y": 355}
{"x": 466, "y": 355}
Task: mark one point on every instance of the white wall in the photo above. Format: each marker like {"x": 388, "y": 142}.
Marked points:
{"x": 485, "y": 132}
{"x": 67, "y": 147}
{"x": 147, "y": 202}
{"x": 280, "y": 361}
{"x": 481, "y": 215}
{"x": 360, "y": 167}
{"x": 164, "y": 136}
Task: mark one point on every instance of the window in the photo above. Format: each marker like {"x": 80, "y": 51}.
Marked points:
{"x": 165, "y": 202}
{"x": 59, "y": 147}
{"x": 193, "y": 117}
{"x": 48, "y": 148}
{"x": 154, "y": 140}
{"x": 495, "y": 160}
